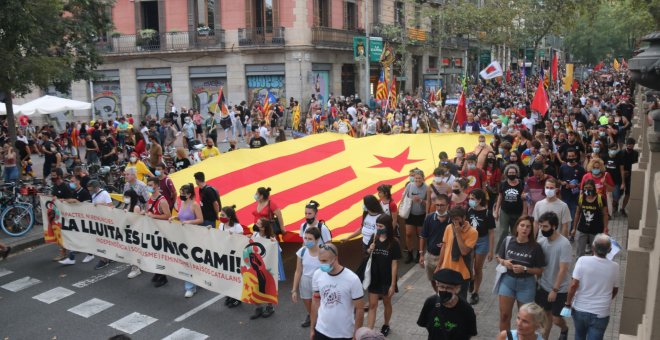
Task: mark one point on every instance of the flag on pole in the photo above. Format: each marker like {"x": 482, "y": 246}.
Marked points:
{"x": 381, "y": 88}
{"x": 599, "y": 66}
{"x": 461, "y": 111}
{"x": 392, "y": 99}
{"x": 555, "y": 66}
{"x": 269, "y": 101}
{"x": 222, "y": 102}
{"x": 493, "y": 70}
{"x": 616, "y": 64}
{"x": 568, "y": 78}
{"x": 540, "y": 103}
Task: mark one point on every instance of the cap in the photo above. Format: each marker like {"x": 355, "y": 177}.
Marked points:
{"x": 366, "y": 333}
{"x": 448, "y": 276}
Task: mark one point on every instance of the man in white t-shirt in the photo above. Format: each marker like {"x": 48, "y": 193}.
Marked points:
{"x": 554, "y": 204}
{"x": 99, "y": 197}
{"x": 529, "y": 123}
{"x": 336, "y": 299}
{"x": 595, "y": 284}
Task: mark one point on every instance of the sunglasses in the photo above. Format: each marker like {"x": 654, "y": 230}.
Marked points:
{"x": 327, "y": 247}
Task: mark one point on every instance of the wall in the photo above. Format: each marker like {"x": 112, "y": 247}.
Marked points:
{"x": 123, "y": 15}
{"x": 176, "y": 12}
{"x": 232, "y": 14}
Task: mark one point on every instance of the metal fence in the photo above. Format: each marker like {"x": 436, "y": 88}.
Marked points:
{"x": 258, "y": 36}
{"x": 333, "y": 37}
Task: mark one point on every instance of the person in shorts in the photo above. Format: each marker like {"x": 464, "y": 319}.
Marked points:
{"x": 430, "y": 239}
{"x": 307, "y": 262}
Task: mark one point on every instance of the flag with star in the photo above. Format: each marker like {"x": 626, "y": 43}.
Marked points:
{"x": 381, "y": 89}
{"x": 336, "y": 170}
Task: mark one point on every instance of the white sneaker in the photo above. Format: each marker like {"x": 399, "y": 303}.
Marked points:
{"x": 135, "y": 271}
{"x": 88, "y": 258}
{"x": 67, "y": 261}
{"x": 190, "y": 293}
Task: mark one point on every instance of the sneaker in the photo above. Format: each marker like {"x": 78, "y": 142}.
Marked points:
{"x": 268, "y": 311}
{"x": 563, "y": 335}
{"x": 161, "y": 281}
{"x": 101, "y": 264}
{"x": 306, "y": 323}
{"x": 88, "y": 258}
{"x": 190, "y": 293}
{"x": 257, "y": 313}
{"x": 474, "y": 299}
{"x": 67, "y": 261}
{"x": 135, "y": 271}
{"x": 234, "y": 303}
{"x": 59, "y": 257}
{"x": 385, "y": 330}
{"x": 572, "y": 239}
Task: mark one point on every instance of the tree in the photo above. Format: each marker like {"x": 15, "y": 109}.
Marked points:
{"x": 48, "y": 42}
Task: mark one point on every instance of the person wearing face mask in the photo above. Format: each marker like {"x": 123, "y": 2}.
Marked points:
{"x": 338, "y": 312}
{"x": 189, "y": 129}
{"x": 430, "y": 239}
{"x": 614, "y": 168}
{"x": 481, "y": 219}
{"x": 132, "y": 204}
{"x": 458, "y": 196}
{"x": 142, "y": 171}
{"x": 628, "y": 157}
{"x": 445, "y": 315}
{"x": 266, "y": 208}
{"x": 158, "y": 208}
{"x": 554, "y": 204}
{"x": 189, "y": 213}
{"x": 535, "y": 187}
{"x": 311, "y": 220}
{"x": 572, "y": 143}
{"x": 493, "y": 179}
{"x": 459, "y": 241}
{"x": 385, "y": 254}
{"x": 209, "y": 200}
{"x": 78, "y": 194}
{"x": 388, "y": 204}
{"x": 417, "y": 191}
{"x": 459, "y": 160}
{"x": 167, "y": 188}
{"x": 481, "y": 151}
{"x": 210, "y": 150}
{"x": 596, "y": 172}
{"x": 99, "y": 196}
{"x": 570, "y": 175}
{"x": 591, "y": 216}
{"x": 510, "y": 205}
{"x": 441, "y": 185}
{"x": 475, "y": 176}
{"x": 307, "y": 263}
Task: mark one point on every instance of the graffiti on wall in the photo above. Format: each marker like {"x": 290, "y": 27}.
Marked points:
{"x": 260, "y": 86}
{"x": 107, "y": 100}
{"x": 155, "y": 97}
{"x": 321, "y": 88}
{"x": 205, "y": 94}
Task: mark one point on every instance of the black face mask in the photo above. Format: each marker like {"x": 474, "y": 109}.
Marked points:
{"x": 456, "y": 191}
{"x": 589, "y": 192}
{"x": 445, "y": 296}
{"x": 547, "y": 233}
{"x": 183, "y": 197}
{"x": 572, "y": 160}
{"x": 310, "y": 220}
{"x": 255, "y": 228}
{"x": 512, "y": 177}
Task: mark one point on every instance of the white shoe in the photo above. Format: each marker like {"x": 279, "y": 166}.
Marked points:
{"x": 67, "y": 261}
{"x": 135, "y": 271}
{"x": 88, "y": 258}
{"x": 190, "y": 293}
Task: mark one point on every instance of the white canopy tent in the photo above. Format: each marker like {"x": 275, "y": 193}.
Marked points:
{"x": 51, "y": 104}
{"x": 3, "y": 109}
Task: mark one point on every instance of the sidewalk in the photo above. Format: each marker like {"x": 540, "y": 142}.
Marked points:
{"x": 415, "y": 288}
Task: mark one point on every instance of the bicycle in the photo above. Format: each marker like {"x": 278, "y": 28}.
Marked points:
{"x": 29, "y": 193}
{"x": 17, "y": 218}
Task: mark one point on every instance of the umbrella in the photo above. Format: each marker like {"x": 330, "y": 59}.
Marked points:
{"x": 3, "y": 109}
{"x": 51, "y": 104}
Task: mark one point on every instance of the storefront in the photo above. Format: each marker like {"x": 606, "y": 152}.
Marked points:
{"x": 205, "y": 83}
{"x": 264, "y": 79}
{"x": 155, "y": 86}
{"x": 107, "y": 95}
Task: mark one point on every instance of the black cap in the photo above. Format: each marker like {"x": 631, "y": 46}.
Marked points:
{"x": 448, "y": 276}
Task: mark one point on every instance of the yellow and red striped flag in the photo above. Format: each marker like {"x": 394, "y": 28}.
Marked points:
{"x": 381, "y": 88}
{"x": 333, "y": 169}
{"x": 392, "y": 99}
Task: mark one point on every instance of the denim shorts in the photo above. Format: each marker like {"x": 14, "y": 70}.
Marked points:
{"x": 523, "y": 289}
{"x": 482, "y": 245}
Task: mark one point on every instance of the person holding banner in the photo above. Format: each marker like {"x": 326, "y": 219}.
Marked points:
{"x": 132, "y": 204}
{"x": 209, "y": 200}
{"x": 157, "y": 208}
{"x": 263, "y": 231}
{"x": 189, "y": 213}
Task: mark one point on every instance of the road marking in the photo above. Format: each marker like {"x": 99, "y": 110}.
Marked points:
{"x": 21, "y": 284}
{"x": 132, "y": 323}
{"x": 186, "y": 334}
{"x": 91, "y": 307}
{"x": 4, "y": 271}
{"x": 53, "y": 295}
{"x": 99, "y": 277}
{"x": 199, "y": 308}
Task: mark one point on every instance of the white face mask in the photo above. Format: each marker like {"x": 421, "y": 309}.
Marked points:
{"x": 127, "y": 201}
{"x": 550, "y": 192}
{"x": 133, "y": 159}
{"x": 437, "y": 179}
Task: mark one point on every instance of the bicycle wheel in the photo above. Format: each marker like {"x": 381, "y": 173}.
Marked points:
{"x": 36, "y": 211}
{"x": 16, "y": 220}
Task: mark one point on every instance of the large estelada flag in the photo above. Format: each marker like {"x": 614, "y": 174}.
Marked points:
{"x": 381, "y": 89}
{"x": 493, "y": 70}
{"x": 333, "y": 169}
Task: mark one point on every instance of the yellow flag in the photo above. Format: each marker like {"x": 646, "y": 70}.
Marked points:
{"x": 615, "y": 64}
{"x": 568, "y": 78}
{"x": 296, "y": 117}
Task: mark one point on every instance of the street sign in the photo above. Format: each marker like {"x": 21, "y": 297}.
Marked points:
{"x": 375, "y": 48}
{"x": 360, "y": 49}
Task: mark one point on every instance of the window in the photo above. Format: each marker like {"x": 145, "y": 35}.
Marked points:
{"x": 433, "y": 62}
{"x": 418, "y": 16}
{"x": 375, "y": 5}
{"x": 263, "y": 19}
{"x": 350, "y": 15}
{"x": 206, "y": 13}
{"x": 399, "y": 13}
{"x": 322, "y": 13}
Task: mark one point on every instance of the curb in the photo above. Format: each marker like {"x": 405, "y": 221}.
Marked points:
{"x": 27, "y": 244}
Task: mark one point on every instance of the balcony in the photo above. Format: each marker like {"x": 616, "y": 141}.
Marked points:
{"x": 257, "y": 36}
{"x": 332, "y": 37}
{"x": 163, "y": 42}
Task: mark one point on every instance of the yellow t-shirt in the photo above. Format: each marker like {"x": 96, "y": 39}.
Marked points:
{"x": 213, "y": 151}
{"x": 142, "y": 172}
{"x": 470, "y": 236}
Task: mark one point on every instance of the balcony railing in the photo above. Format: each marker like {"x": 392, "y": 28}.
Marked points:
{"x": 160, "y": 42}
{"x": 258, "y": 36}
{"x": 332, "y": 37}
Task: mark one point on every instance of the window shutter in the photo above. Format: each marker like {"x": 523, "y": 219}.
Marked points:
{"x": 315, "y": 9}
{"x": 345, "y": 15}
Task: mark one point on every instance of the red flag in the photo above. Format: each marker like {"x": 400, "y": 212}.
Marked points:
{"x": 540, "y": 102}
{"x": 599, "y": 66}
{"x": 432, "y": 96}
{"x": 461, "y": 111}
{"x": 508, "y": 76}
{"x": 575, "y": 86}
{"x": 555, "y": 67}
{"x": 222, "y": 105}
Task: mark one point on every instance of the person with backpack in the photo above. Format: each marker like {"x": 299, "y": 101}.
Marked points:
{"x": 591, "y": 216}
{"x": 311, "y": 220}
{"x": 209, "y": 200}
{"x": 307, "y": 262}
{"x": 480, "y": 218}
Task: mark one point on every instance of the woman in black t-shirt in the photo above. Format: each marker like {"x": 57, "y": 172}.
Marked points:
{"x": 181, "y": 162}
{"x": 591, "y": 216}
{"x": 385, "y": 254}
{"x": 510, "y": 205}
{"x": 479, "y": 217}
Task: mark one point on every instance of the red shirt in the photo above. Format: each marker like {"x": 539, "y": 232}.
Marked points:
{"x": 140, "y": 148}
{"x": 600, "y": 182}
{"x": 265, "y": 212}
{"x": 475, "y": 178}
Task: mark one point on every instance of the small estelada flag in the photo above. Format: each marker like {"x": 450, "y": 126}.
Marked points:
{"x": 493, "y": 70}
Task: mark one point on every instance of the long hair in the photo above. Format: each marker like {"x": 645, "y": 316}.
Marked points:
{"x": 268, "y": 229}
{"x": 386, "y": 220}
{"x": 230, "y": 212}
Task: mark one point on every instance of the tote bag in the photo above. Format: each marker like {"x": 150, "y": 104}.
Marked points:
{"x": 405, "y": 205}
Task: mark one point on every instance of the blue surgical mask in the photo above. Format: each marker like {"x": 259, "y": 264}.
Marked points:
{"x": 309, "y": 244}
{"x": 72, "y": 185}
{"x": 256, "y": 197}
{"x": 157, "y": 173}
{"x": 150, "y": 190}
{"x": 595, "y": 171}
{"x": 326, "y": 267}
{"x": 411, "y": 179}
{"x": 501, "y": 151}
{"x": 472, "y": 203}
{"x": 472, "y": 166}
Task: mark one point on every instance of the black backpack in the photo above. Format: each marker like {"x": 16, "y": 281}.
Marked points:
{"x": 321, "y": 225}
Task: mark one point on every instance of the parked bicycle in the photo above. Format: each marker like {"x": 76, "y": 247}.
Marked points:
{"x": 16, "y": 218}
{"x": 29, "y": 192}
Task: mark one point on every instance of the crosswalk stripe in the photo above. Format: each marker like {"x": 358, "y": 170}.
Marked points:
{"x": 186, "y": 334}
{"x": 5, "y": 271}
{"x": 53, "y": 295}
{"x": 199, "y": 308}
{"x": 21, "y": 284}
{"x": 132, "y": 323}
{"x": 90, "y": 307}
{"x": 99, "y": 277}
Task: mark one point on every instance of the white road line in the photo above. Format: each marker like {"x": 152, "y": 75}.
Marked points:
{"x": 133, "y": 322}
{"x": 186, "y": 334}
{"x": 5, "y": 271}
{"x": 53, "y": 295}
{"x": 90, "y": 307}
{"x": 99, "y": 277}
{"x": 21, "y": 284}
{"x": 199, "y": 308}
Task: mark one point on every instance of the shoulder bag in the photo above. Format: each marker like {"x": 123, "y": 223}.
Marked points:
{"x": 405, "y": 205}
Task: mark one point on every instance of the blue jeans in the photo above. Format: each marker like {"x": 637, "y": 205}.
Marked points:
{"x": 589, "y": 326}
{"x": 188, "y": 285}
{"x": 207, "y": 223}
{"x": 11, "y": 174}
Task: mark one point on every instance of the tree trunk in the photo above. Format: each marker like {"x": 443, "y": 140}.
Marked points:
{"x": 11, "y": 122}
